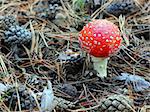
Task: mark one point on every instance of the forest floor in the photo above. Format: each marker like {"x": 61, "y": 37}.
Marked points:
{"x": 53, "y": 56}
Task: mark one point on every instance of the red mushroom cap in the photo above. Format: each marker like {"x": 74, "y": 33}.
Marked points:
{"x": 100, "y": 38}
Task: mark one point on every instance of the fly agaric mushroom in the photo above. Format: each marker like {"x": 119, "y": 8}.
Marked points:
{"x": 101, "y": 39}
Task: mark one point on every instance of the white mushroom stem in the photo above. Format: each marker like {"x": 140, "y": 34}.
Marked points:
{"x": 100, "y": 65}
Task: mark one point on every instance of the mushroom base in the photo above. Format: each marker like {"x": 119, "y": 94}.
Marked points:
{"x": 100, "y": 65}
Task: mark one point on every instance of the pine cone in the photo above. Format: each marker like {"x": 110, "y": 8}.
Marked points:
{"x": 46, "y": 10}
{"x": 62, "y": 103}
{"x": 116, "y": 103}
{"x": 41, "y": 9}
{"x": 53, "y": 10}
{"x": 17, "y": 35}
{"x": 37, "y": 84}
{"x": 27, "y": 102}
{"x": 8, "y": 21}
{"x": 54, "y": 2}
{"x": 69, "y": 89}
{"x": 121, "y": 7}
